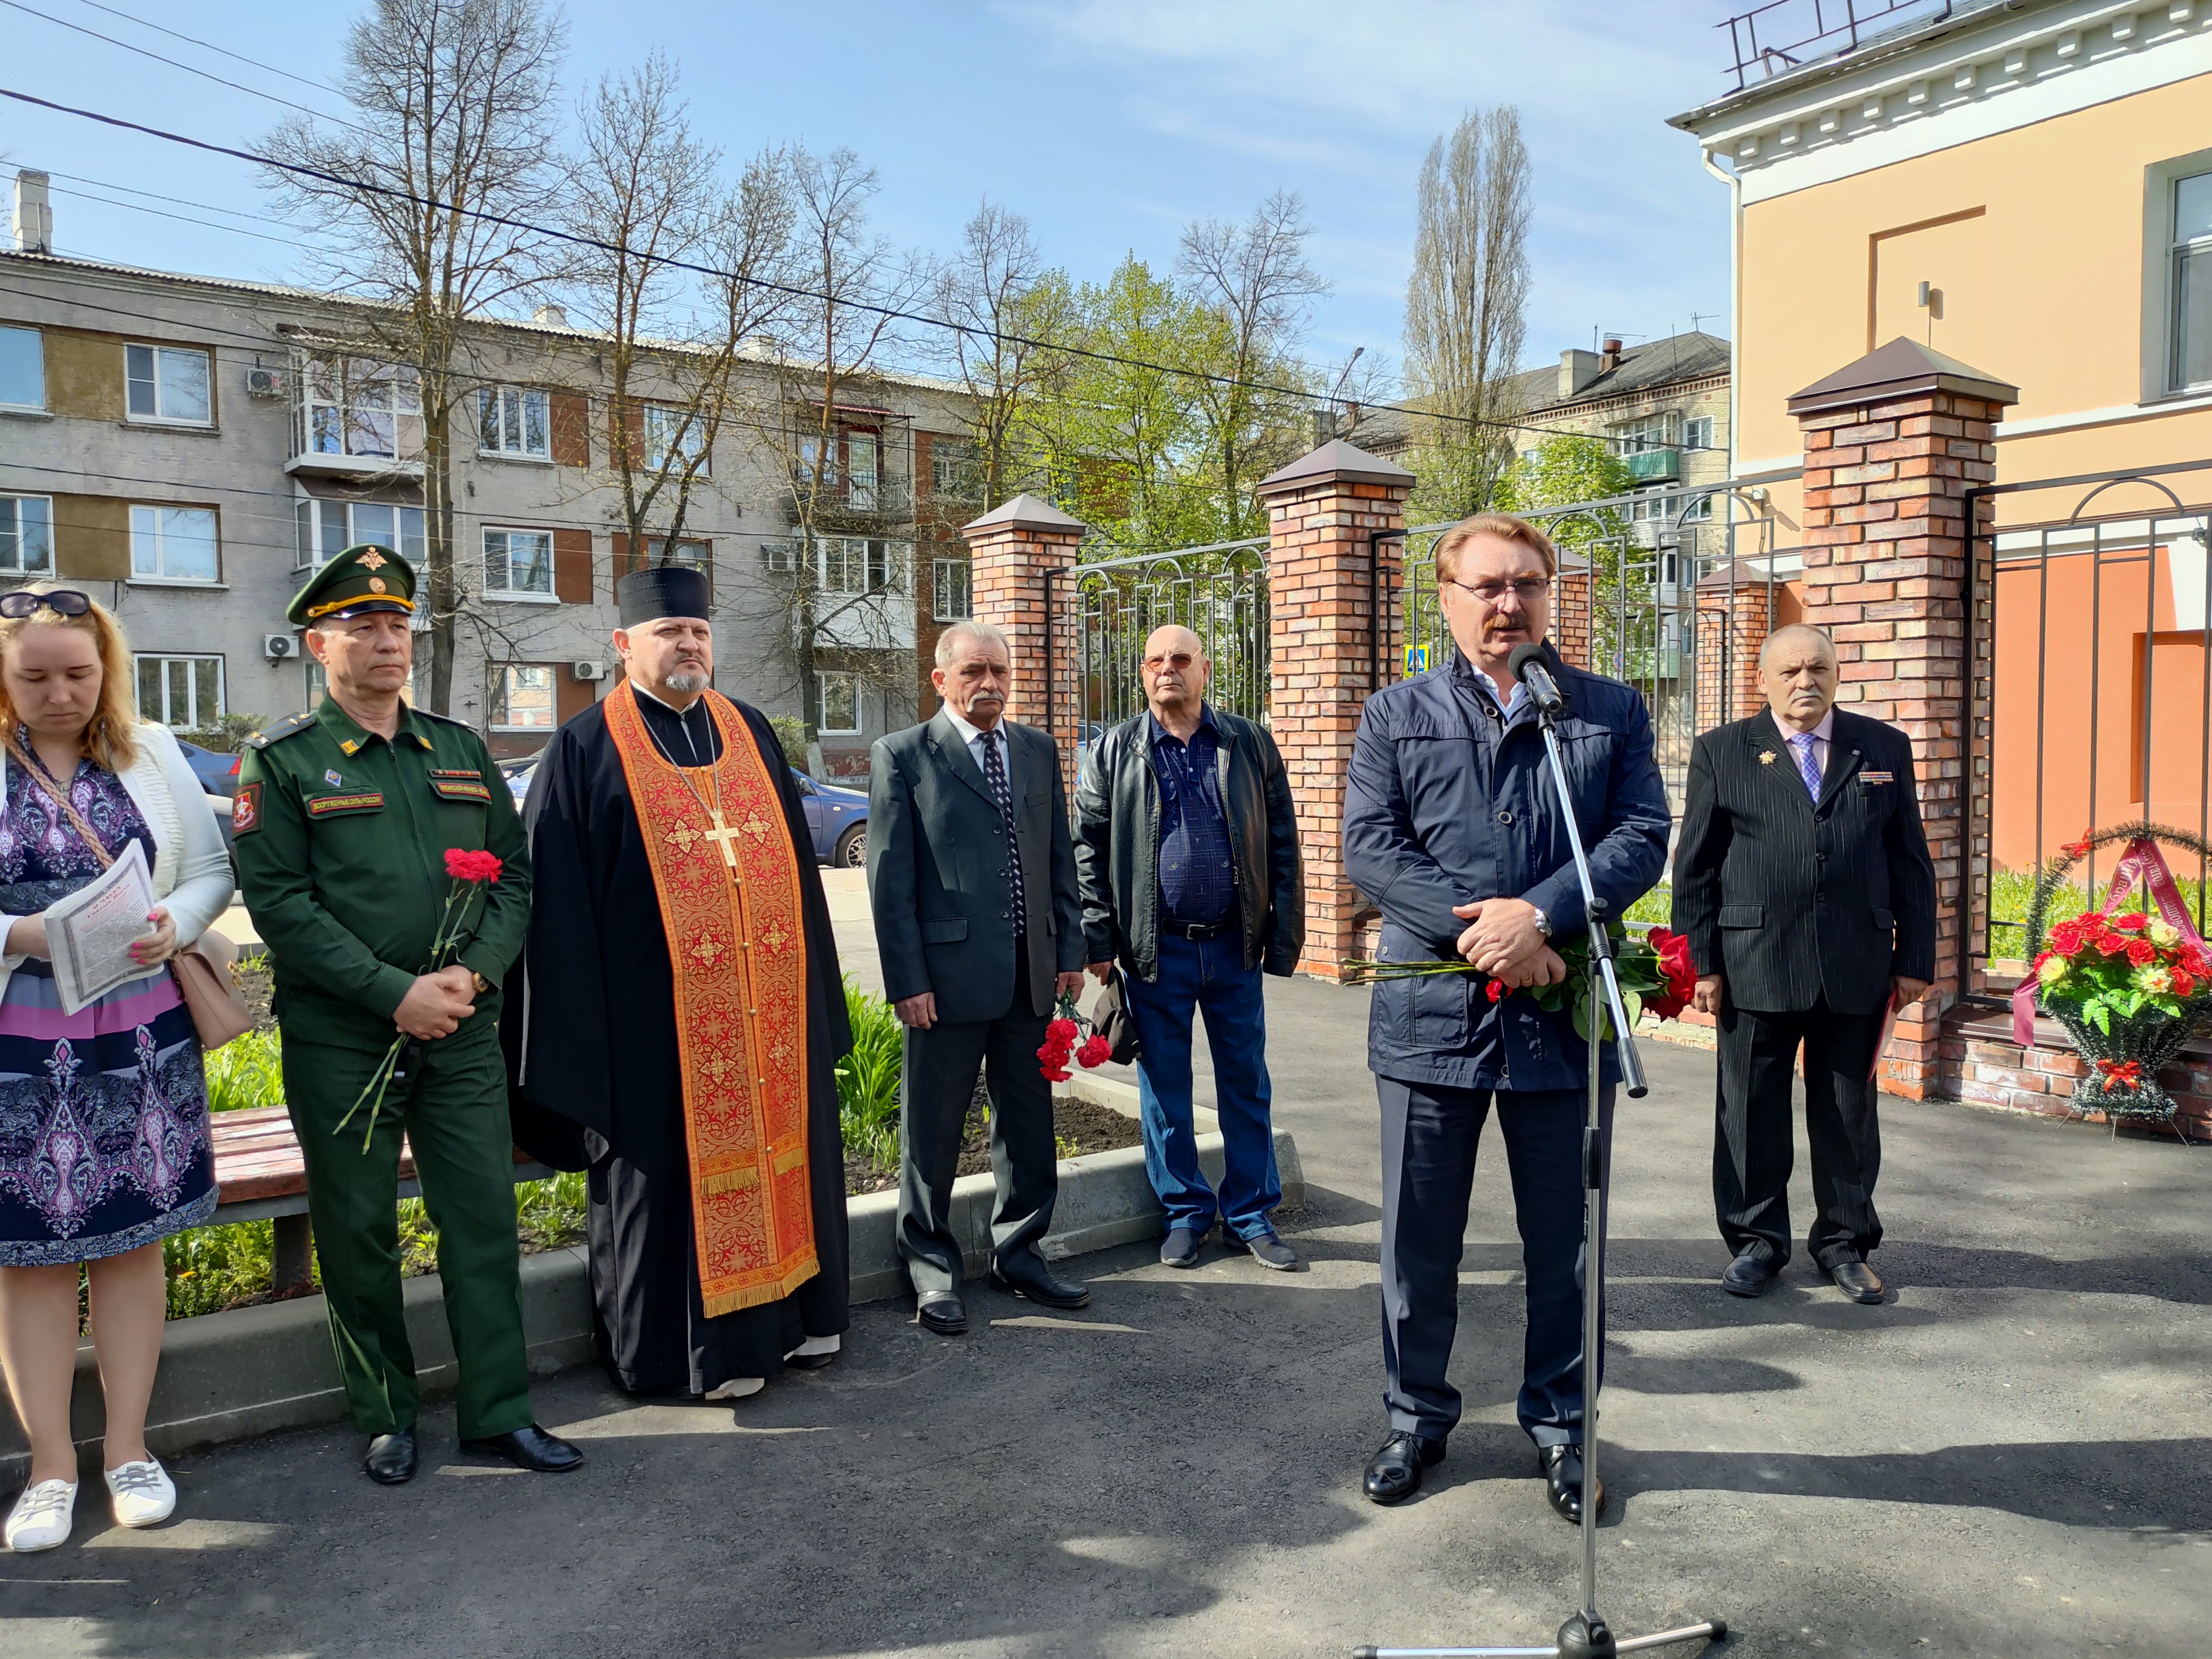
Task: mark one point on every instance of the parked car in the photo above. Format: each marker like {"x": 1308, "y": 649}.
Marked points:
{"x": 218, "y": 773}
{"x": 518, "y": 773}
{"x": 839, "y": 820}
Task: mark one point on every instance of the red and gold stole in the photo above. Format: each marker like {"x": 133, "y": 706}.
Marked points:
{"x": 737, "y": 940}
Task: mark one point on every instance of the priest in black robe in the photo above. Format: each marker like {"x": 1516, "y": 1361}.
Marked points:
{"x": 598, "y": 1063}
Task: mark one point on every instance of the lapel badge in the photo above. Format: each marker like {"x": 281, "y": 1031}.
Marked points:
{"x": 332, "y": 778}
{"x": 1766, "y": 758}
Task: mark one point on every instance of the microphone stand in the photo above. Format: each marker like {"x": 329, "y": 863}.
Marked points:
{"x": 1585, "y": 1635}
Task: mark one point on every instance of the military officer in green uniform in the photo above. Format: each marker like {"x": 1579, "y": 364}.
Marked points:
{"x": 343, "y": 820}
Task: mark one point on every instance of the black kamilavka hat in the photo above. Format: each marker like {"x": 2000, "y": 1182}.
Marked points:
{"x": 662, "y": 590}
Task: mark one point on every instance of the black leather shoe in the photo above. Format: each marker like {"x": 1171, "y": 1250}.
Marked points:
{"x": 1033, "y": 1281}
{"x": 1561, "y": 1467}
{"x": 941, "y": 1311}
{"x": 391, "y": 1460}
{"x": 1749, "y": 1274}
{"x": 531, "y": 1449}
{"x": 1394, "y": 1473}
{"x": 809, "y": 1362}
{"x": 1180, "y": 1248}
{"x": 1857, "y": 1281}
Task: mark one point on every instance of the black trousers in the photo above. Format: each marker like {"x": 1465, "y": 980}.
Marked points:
{"x": 1430, "y": 1136}
{"x": 935, "y": 1085}
{"x": 1754, "y": 1141}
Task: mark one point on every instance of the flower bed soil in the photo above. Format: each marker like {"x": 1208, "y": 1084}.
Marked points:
{"x": 1078, "y": 1126}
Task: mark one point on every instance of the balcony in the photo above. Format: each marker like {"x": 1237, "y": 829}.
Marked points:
{"x": 354, "y": 419}
{"x": 1651, "y": 466}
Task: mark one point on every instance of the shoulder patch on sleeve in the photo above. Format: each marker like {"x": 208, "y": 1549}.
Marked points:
{"x": 290, "y": 726}
{"x": 245, "y": 809}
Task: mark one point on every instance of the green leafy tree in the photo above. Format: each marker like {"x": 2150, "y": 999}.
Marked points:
{"x": 1565, "y": 471}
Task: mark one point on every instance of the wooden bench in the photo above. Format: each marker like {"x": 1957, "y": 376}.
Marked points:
{"x": 260, "y": 1176}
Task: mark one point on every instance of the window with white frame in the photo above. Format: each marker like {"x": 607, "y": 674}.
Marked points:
{"x": 517, "y": 564}
{"x": 22, "y": 368}
{"x": 1645, "y": 434}
{"x": 956, "y": 468}
{"x": 26, "y": 535}
{"x": 522, "y": 697}
{"x": 2191, "y": 346}
{"x": 182, "y": 693}
{"x": 327, "y": 528}
{"x": 1698, "y": 431}
{"x": 672, "y": 436}
{"x": 173, "y": 544}
{"x": 168, "y": 383}
{"x": 354, "y": 406}
{"x": 840, "y": 694}
{"x": 516, "y": 422}
{"x": 779, "y": 558}
{"x": 861, "y": 564}
{"x": 860, "y": 471}
{"x": 950, "y": 590}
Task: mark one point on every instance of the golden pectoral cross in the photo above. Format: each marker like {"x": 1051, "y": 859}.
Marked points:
{"x": 722, "y": 834}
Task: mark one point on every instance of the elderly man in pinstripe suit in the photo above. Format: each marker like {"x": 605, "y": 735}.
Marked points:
{"x": 1802, "y": 882}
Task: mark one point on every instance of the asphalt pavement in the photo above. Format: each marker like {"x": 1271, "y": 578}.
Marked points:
{"x": 2011, "y": 1456}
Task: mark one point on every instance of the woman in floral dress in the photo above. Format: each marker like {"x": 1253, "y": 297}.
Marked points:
{"x": 104, "y": 1148}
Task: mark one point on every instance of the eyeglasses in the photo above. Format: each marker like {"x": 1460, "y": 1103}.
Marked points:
{"x": 1528, "y": 590}
{"x": 62, "y": 601}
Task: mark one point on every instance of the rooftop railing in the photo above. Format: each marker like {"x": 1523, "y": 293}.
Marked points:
{"x": 1783, "y": 34}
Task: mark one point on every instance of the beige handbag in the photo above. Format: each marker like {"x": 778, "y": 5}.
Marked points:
{"x": 201, "y": 968}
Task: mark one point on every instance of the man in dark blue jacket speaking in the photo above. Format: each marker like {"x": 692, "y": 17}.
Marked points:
{"x": 1452, "y": 828}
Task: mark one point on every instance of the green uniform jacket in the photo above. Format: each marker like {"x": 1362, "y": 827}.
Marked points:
{"x": 342, "y": 840}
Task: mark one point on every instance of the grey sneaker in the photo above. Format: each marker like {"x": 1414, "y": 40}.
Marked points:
{"x": 1268, "y": 1251}
{"x": 1180, "y": 1248}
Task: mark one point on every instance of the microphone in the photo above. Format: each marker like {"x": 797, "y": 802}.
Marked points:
{"x": 1527, "y": 664}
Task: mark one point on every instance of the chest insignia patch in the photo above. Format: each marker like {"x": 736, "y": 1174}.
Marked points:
{"x": 246, "y": 811}
{"x": 331, "y": 806}
{"x": 459, "y": 789}
{"x": 332, "y": 778}
{"x": 1766, "y": 758}
{"x": 1877, "y": 777}
{"x": 454, "y": 772}
{"x": 349, "y": 745}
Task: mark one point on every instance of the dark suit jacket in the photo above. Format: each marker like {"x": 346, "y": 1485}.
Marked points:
{"x": 1789, "y": 902}
{"x": 937, "y": 871}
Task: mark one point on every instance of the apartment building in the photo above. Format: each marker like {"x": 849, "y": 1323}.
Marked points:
{"x": 188, "y": 448}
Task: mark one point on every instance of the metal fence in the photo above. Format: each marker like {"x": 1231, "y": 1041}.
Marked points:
{"x": 2093, "y": 670}
{"x": 1679, "y": 584}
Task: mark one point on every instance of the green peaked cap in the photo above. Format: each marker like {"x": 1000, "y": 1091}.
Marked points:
{"x": 361, "y": 579}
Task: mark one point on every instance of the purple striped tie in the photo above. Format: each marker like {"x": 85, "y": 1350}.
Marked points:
{"x": 1808, "y": 768}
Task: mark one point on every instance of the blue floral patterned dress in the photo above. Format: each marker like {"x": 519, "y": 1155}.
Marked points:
{"x": 103, "y": 1113}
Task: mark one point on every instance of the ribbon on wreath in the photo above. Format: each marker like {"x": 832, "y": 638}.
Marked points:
{"x": 2122, "y": 1073}
{"x": 2140, "y": 863}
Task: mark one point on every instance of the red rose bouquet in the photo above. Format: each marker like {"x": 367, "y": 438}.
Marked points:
{"x": 470, "y": 874}
{"x": 1656, "y": 977}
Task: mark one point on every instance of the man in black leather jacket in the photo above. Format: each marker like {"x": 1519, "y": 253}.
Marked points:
{"x": 1187, "y": 856}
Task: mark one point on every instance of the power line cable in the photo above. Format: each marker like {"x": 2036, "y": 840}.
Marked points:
{"x": 305, "y": 80}
{"x": 891, "y": 313}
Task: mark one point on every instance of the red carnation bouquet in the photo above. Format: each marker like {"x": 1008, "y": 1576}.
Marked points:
{"x": 470, "y": 874}
{"x": 1062, "y": 1040}
{"x": 1655, "y": 973}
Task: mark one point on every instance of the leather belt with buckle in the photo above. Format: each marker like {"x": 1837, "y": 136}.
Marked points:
{"x": 1199, "y": 930}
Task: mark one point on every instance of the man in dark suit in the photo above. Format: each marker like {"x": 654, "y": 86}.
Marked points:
{"x": 1802, "y": 882}
{"x": 971, "y": 874}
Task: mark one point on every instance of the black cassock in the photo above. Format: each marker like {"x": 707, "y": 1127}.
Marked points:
{"x": 596, "y": 1083}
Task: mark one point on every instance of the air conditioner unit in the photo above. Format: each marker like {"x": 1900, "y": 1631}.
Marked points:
{"x": 587, "y": 671}
{"x": 264, "y": 382}
{"x": 278, "y": 646}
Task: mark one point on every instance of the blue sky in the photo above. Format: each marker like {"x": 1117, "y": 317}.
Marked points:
{"x": 1107, "y": 122}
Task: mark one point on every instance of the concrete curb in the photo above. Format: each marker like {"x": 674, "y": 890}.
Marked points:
{"x": 252, "y": 1371}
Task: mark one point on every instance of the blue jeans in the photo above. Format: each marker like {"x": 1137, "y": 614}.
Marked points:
{"x": 1208, "y": 974}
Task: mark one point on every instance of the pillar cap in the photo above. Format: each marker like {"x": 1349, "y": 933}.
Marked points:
{"x": 1899, "y": 370}
{"x": 1335, "y": 461}
{"x": 1025, "y": 512}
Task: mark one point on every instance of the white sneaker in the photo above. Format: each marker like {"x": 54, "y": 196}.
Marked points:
{"x": 142, "y": 1494}
{"x": 737, "y": 1387}
{"x": 815, "y": 1347}
{"x": 41, "y": 1516}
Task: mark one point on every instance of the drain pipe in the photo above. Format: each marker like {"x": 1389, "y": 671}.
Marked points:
{"x": 1735, "y": 296}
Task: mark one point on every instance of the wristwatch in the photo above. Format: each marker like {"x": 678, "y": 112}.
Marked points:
{"x": 484, "y": 985}
{"x": 1543, "y": 924}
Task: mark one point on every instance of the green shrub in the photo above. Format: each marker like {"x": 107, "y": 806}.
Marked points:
{"x": 211, "y": 1268}
{"x": 868, "y": 1078}
{"x": 791, "y": 732}
{"x": 246, "y": 1072}
{"x": 229, "y": 733}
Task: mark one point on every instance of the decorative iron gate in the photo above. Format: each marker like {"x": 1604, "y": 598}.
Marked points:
{"x": 2091, "y": 691}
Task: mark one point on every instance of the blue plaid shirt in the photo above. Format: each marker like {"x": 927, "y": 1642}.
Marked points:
{"x": 1197, "y": 866}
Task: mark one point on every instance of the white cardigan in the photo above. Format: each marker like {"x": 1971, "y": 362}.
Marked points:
{"x": 191, "y": 872}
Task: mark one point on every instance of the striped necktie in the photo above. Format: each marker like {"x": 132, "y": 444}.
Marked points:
{"x": 995, "y": 774}
{"x": 1808, "y": 768}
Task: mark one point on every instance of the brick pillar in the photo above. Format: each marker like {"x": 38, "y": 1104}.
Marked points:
{"x": 1013, "y": 546}
{"x": 1323, "y": 514}
{"x": 1892, "y": 445}
{"x": 1732, "y": 624}
{"x": 1570, "y": 610}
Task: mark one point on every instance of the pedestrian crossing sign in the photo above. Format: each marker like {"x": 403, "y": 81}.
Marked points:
{"x": 1417, "y": 659}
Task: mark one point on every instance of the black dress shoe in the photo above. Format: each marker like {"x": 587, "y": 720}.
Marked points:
{"x": 1749, "y": 1274}
{"x": 941, "y": 1311}
{"x": 1857, "y": 1281}
{"x": 1562, "y": 1480}
{"x": 1394, "y": 1473}
{"x": 1033, "y": 1280}
{"x": 391, "y": 1460}
{"x": 529, "y": 1448}
{"x": 809, "y": 1362}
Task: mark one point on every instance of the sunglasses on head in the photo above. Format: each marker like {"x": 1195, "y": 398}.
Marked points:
{"x": 62, "y": 601}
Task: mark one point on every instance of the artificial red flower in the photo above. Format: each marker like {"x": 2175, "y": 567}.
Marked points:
{"x": 463, "y": 865}
{"x": 2141, "y": 952}
{"x": 2134, "y": 922}
{"x": 2183, "y": 982}
{"x": 2036, "y": 967}
{"x": 2066, "y": 936}
{"x": 1095, "y": 1051}
{"x": 2112, "y": 945}
{"x": 2193, "y": 959}
{"x": 1496, "y": 990}
{"x": 2080, "y": 849}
